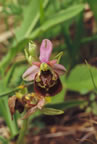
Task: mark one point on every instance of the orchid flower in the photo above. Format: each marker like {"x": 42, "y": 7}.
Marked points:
{"x": 29, "y": 102}
{"x": 46, "y": 72}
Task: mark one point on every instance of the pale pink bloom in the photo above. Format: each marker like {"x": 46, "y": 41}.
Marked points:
{"x": 45, "y": 53}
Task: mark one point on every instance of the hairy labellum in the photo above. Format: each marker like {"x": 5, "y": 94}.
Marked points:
{"x": 47, "y": 83}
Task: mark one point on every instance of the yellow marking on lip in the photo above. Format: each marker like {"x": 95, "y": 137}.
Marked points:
{"x": 27, "y": 98}
{"x": 44, "y": 67}
{"x": 21, "y": 86}
{"x": 48, "y": 99}
{"x": 33, "y": 94}
{"x": 19, "y": 95}
{"x": 42, "y": 86}
{"x": 54, "y": 77}
{"x": 38, "y": 77}
{"x": 51, "y": 85}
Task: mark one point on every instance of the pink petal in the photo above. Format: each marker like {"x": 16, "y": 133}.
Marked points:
{"x": 30, "y": 73}
{"x": 45, "y": 50}
{"x": 52, "y": 62}
{"x": 36, "y": 63}
{"x": 41, "y": 103}
{"x": 59, "y": 69}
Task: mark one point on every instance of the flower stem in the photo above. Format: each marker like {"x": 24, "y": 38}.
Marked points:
{"x": 23, "y": 132}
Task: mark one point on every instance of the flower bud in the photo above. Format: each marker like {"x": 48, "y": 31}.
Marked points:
{"x": 31, "y": 52}
{"x": 32, "y": 48}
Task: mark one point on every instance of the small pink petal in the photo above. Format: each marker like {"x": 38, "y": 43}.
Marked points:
{"x": 41, "y": 103}
{"x": 52, "y": 62}
{"x": 59, "y": 69}
{"x": 36, "y": 63}
{"x": 45, "y": 50}
{"x": 30, "y": 73}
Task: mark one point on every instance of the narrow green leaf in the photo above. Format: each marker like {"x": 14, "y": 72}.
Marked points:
{"x": 51, "y": 111}
{"x": 12, "y": 53}
{"x": 60, "y": 17}
{"x": 67, "y": 104}
{"x": 78, "y": 35}
{"x": 3, "y": 140}
{"x": 14, "y": 75}
{"x": 42, "y": 16}
{"x": 61, "y": 105}
{"x": 4, "y": 109}
{"x": 31, "y": 17}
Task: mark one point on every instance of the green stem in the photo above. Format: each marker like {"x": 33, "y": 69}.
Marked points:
{"x": 8, "y": 93}
{"x": 3, "y": 140}
{"x": 23, "y": 132}
{"x": 14, "y": 90}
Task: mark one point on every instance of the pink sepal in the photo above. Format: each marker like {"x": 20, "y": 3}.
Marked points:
{"x": 45, "y": 50}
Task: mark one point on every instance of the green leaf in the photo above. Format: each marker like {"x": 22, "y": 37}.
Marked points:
{"x": 4, "y": 111}
{"x": 51, "y": 111}
{"x": 60, "y": 17}
{"x": 25, "y": 29}
{"x": 61, "y": 105}
{"x": 12, "y": 53}
{"x": 63, "y": 15}
{"x": 12, "y": 9}
{"x": 3, "y": 140}
{"x": 16, "y": 77}
{"x": 67, "y": 104}
{"x": 80, "y": 79}
{"x": 31, "y": 17}
{"x": 78, "y": 35}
